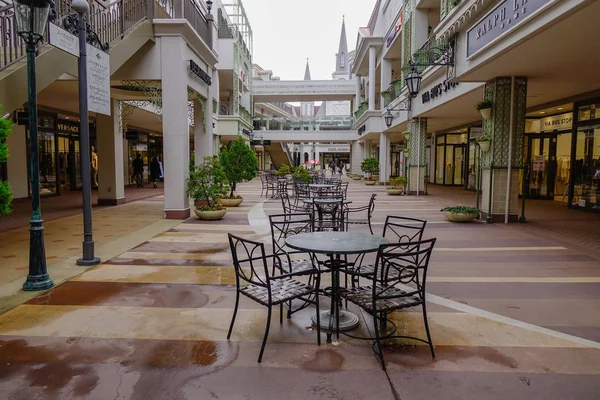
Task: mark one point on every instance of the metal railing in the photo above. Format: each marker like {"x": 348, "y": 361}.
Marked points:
{"x": 330, "y": 123}
{"x": 111, "y": 22}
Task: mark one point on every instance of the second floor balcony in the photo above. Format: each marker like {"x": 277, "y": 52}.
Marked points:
{"x": 325, "y": 123}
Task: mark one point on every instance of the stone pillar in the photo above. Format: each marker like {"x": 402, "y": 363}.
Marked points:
{"x": 420, "y": 26}
{"x": 357, "y": 155}
{"x": 372, "y": 82}
{"x": 111, "y": 186}
{"x": 417, "y": 164}
{"x": 386, "y": 77}
{"x": 357, "y": 96}
{"x": 384, "y": 158}
{"x": 501, "y": 164}
{"x": 203, "y": 140}
{"x": 176, "y": 141}
{"x": 17, "y": 162}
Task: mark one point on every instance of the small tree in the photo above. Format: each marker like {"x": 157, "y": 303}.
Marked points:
{"x": 239, "y": 163}
{"x": 283, "y": 170}
{"x": 370, "y": 166}
{"x": 300, "y": 174}
{"x": 207, "y": 182}
{"x": 5, "y": 190}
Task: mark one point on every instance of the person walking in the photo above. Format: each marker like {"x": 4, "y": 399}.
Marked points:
{"x": 154, "y": 171}
{"x": 138, "y": 170}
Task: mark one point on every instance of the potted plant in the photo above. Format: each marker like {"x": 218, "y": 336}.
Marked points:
{"x": 387, "y": 97}
{"x": 301, "y": 175}
{"x": 5, "y": 190}
{"x": 205, "y": 185}
{"x": 369, "y": 166}
{"x": 283, "y": 171}
{"x": 460, "y": 213}
{"x": 484, "y": 142}
{"x": 397, "y": 185}
{"x": 398, "y": 84}
{"x": 485, "y": 108}
{"x": 239, "y": 164}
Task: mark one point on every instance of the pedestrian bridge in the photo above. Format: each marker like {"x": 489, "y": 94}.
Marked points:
{"x": 297, "y": 91}
{"x": 308, "y": 136}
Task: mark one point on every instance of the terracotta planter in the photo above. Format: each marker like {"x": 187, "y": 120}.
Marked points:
{"x": 486, "y": 113}
{"x": 460, "y": 217}
{"x": 394, "y": 192}
{"x": 485, "y": 146}
{"x": 370, "y": 183}
{"x": 231, "y": 202}
{"x": 210, "y": 215}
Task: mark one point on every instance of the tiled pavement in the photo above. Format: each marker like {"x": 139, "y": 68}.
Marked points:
{"x": 513, "y": 316}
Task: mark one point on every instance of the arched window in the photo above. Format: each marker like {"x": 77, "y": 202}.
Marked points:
{"x": 342, "y": 60}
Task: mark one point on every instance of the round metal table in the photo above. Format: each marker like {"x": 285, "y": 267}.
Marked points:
{"x": 320, "y": 185}
{"x": 335, "y": 244}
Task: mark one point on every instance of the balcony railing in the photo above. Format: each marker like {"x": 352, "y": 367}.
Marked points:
{"x": 331, "y": 123}
{"x": 446, "y": 6}
{"x": 109, "y": 22}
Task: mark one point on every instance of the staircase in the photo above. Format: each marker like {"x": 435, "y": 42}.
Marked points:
{"x": 278, "y": 155}
{"x": 126, "y": 25}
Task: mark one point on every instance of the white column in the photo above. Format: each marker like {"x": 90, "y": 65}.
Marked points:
{"x": 357, "y": 99}
{"x": 17, "y": 162}
{"x": 176, "y": 141}
{"x": 384, "y": 158}
{"x": 356, "y": 157}
{"x": 111, "y": 187}
{"x": 203, "y": 143}
{"x": 421, "y": 26}
{"x": 386, "y": 77}
{"x": 372, "y": 67}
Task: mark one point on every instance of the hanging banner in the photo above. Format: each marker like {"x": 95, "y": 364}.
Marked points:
{"x": 98, "y": 79}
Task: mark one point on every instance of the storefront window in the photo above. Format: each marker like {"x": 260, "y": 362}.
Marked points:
{"x": 586, "y": 168}
{"x": 47, "y": 163}
{"x": 591, "y": 111}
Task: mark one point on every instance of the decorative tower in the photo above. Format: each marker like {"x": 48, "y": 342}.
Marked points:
{"x": 341, "y": 73}
{"x": 307, "y": 108}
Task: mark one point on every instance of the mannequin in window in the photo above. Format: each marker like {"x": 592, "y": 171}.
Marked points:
{"x": 94, "y": 168}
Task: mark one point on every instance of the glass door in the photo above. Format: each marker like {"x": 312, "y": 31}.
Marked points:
{"x": 48, "y": 181}
{"x": 76, "y": 172}
{"x": 64, "y": 179}
{"x": 542, "y": 166}
{"x": 458, "y": 173}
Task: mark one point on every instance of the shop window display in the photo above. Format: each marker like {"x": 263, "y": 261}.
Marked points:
{"x": 586, "y": 168}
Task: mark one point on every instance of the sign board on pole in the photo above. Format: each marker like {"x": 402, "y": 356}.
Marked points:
{"x": 63, "y": 40}
{"x": 98, "y": 77}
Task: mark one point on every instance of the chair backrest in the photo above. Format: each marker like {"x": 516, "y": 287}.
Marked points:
{"x": 286, "y": 225}
{"x": 402, "y": 264}
{"x": 344, "y": 188}
{"x": 249, "y": 261}
{"x": 403, "y": 229}
{"x": 372, "y": 204}
{"x": 328, "y": 214}
{"x": 302, "y": 190}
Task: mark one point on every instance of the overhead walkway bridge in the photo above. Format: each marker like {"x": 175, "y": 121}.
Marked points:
{"x": 298, "y": 91}
{"x": 306, "y": 129}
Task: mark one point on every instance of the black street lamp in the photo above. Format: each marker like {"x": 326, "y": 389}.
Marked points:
{"x": 31, "y": 17}
{"x": 413, "y": 81}
{"x": 81, "y": 7}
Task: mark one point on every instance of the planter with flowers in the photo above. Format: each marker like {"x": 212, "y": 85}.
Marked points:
{"x": 397, "y": 185}
{"x": 460, "y": 213}
{"x": 484, "y": 142}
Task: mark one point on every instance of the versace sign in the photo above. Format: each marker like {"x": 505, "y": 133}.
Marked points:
{"x": 502, "y": 19}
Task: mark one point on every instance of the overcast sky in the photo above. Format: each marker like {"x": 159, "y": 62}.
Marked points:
{"x": 286, "y": 32}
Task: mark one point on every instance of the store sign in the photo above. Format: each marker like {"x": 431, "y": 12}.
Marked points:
{"x": 98, "y": 80}
{"x": 67, "y": 127}
{"x": 200, "y": 73}
{"x": 362, "y": 130}
{"x": 63, "y": 40}
{"x": 396, "y": 28}
{"x": 437, "y": 91}
{"x": 560, "y": 122}
{"x": 341, "y": 149}
{"x": 505, "y": 17}
{"x": 131, "y": 135}
{"x": 141, "y": 147}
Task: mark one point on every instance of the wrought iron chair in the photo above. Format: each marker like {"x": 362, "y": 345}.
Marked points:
{"x": 389, "y": 292}
{"x": 399, "y": 230}
{"x": 328, "y": 214}
{"x": 271, "y": 182}
{"x": 360, "y": 221}
{"x": 253, "y": 280}
{"x": 301, "y": 191}
{"x": 289, "y": 208}
{"x": 264, "y": 184}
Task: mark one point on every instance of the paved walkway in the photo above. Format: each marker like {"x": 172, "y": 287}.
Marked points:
{"x": 513, "y": 315}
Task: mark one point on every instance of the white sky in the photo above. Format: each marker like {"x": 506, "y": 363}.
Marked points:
{"x": 286, "y": 32}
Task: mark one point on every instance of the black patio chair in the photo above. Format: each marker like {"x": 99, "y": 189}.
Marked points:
{"x": 388, "y": 292}
{"x": 289, "y": 208}
{"x": 400, "y": 230}
{"x": 253, "y": 280}
{"x": 369, "y": 208}
{"x": 328, "y": 214}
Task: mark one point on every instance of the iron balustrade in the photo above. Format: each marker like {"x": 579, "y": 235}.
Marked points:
{"x": 110, "y": 22}
{"x": 329, "y": 123}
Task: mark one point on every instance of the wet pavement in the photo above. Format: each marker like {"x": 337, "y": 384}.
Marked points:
{"x": 512, "y": 313}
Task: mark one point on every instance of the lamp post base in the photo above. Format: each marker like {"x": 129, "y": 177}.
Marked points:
{"x": 88, "y": 263}
{"x": 35, "y": 283}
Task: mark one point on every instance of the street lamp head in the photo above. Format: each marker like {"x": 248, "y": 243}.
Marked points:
{"x": 31, "y": 17}
{"x": 389, "y": 118}
{"x": 413, "y": 81}
{"x": 209, "y": 4}
{"x": 80, "y": 6}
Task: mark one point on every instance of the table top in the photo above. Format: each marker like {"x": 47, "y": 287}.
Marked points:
{"x": 321, "y": 185}
{"x": 312, "y": 200}
{"x": 335, "y": 242}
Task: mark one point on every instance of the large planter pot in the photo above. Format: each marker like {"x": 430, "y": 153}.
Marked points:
{"x": 485, "y": 146}
{"x": 394, "y": 191}
{"x": 370, "y": 183}
{"x": 486, "y": 113}
{"x": 375, "y": 177}
{"x": 231, "y": 202}
{"x": 210, "y": 215}
{"x": 455, "y": 217}
{"x": 356, "y": 177}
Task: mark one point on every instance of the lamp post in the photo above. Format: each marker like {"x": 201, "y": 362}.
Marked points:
{"x": 81, "y": 7}
{"x": 31, "y": 17}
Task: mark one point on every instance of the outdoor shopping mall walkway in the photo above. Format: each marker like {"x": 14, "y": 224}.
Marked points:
{"x": 513, "y": 316}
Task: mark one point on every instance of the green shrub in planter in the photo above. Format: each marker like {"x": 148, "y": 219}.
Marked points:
{"x": 370, "y": 165}
{"x": 300, "y": 174}
{"x": 283, "y": 170}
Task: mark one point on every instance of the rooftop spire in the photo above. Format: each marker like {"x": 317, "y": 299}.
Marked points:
{"x": 307, "y": 72}
{"x": 341, "y": 58}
